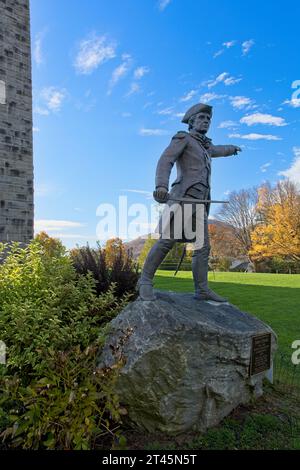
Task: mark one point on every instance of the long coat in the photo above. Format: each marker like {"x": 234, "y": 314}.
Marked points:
{"x": 193, "y": 164}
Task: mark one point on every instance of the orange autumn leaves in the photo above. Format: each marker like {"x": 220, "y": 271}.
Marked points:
{"x": 278, "y": 231}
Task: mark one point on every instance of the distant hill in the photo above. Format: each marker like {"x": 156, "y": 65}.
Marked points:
{"x": 136, "y": 245}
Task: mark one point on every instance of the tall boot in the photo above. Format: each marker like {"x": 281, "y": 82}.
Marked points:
{"x": 154, "y": 258}
{"x": 200, "y": 274}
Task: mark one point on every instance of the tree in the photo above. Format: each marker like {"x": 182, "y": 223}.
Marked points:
{"x": 278, "y": 233}
{"x": 173, "y": 257}
{"x": 223, "y": 242}
{"x": 149, "y": 242}
{"x": 114, "y": 247}
{"x": 241, "y": 215}
{"x": 52, "y": 246}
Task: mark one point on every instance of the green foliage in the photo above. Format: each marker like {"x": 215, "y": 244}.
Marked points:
{"x": 52, "y": 395}
{"x": 220, "y": 263}
{"x": 283, "y": 265}
{"x": 172, "y": 259}
{"x": 122, "y": 270}
{"x": 146, "y": 248}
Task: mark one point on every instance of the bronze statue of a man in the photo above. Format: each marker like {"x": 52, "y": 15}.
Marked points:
{"x": 192, "y": 151}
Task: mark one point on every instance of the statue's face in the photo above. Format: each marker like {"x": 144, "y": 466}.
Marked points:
{"x": 202, "y": 122}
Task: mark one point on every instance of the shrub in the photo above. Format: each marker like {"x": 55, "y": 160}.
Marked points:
{"x": 52, "y": 395}
{"x": 121, "y": 269}
{"x": 221, "y": 263}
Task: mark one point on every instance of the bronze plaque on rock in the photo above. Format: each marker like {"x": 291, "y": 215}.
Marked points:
{"x": 260, "y": 360}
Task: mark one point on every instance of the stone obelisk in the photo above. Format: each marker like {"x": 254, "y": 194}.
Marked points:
{"x": 16, "y": 152}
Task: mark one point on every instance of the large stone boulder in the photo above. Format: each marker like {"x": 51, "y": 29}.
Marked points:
{"x": 187, "y": 361}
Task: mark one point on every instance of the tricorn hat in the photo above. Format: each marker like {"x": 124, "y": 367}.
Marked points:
{"x": 197, "y": 108}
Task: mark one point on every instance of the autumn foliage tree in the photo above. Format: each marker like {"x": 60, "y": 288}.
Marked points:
{"x": 223, "y": 242}
{"x": 278, "y": 233}
{"x": 52, "y": 246}
{"x": 114, "y": 248}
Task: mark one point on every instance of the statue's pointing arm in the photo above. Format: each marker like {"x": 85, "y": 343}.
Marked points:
{"x": 168, "y": 158}
{"x": 224, "y": 150}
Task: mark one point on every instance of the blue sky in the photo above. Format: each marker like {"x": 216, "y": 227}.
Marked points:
{"x": 111, "y": 80}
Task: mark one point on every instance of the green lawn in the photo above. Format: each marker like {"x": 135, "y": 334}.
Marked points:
{"x": 274, "y": 298}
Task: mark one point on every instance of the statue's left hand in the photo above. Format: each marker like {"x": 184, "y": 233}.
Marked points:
{"x": 237, "y": 150}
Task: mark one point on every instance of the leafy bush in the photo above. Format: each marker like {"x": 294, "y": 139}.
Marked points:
{"x": 53, "y": 324}
{"x": 121, "y": 269}
{"x": 220, "y": 263}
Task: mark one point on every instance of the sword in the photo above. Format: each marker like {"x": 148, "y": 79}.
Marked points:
{"x": 196, "y": 201}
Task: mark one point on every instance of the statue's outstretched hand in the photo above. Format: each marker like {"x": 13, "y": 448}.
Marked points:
{"x": 237, "y": 150}
{"x": 161, "y": 194}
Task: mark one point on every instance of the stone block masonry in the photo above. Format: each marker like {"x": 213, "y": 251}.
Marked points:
{"x": 16, "y": 151}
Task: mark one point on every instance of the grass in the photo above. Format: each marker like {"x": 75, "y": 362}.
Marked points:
{"x": 273, "y": 298}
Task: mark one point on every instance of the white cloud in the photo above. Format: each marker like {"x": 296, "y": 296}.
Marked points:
{"x": 264, "y": 167}
{"x": 134, "y": 88}
{"x": 247, "y": 46}
{"x": 153, "y": 132}
{"x": 225, "y": 78}
{"x": 74, "y": 236}
{"x": 162, "y": 4}
{"x": 207, "y": 97}
{"x": 240, "y": 102}
{"x": 37, "y": 48}
{"x": 294, "y": 102}
{"x": 259, "y": 118}
{"x": 188, "y": 96}
{"x": 148, "y": 104}
{"x": 138, "y": 75}
{"x": 293, "y": 173}
{"x": 140, "y": 72}
{"x": 231, "y": 81}
{"x": 229, "y": 44}
{"x": 179, "y": 115}
{"x": 35, "y": 129}
{"x": 228, "y": 125}
{"x": 165, "y": 111}
{"x": 125, "y": 114}
{"x": 41, "y": 111}
{"x": 147, "y": 194}
{"x": 93, "y": 52}
{"x": 120, "y": 71}
{"x": 255, "y": 136}
{"x": 53, "y": 97}
{"x": 55, "y": 225}
{"x": 218, "y": 53}
{"x": 44, "y": 189}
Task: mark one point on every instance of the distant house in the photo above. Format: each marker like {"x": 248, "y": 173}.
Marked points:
{"x": 241, "y": 265}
